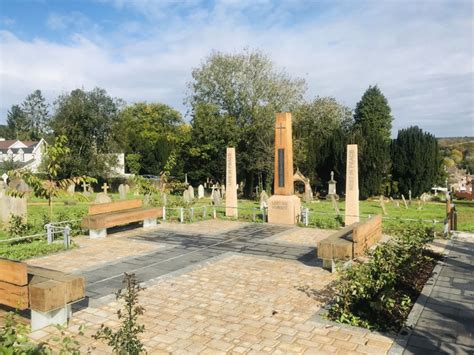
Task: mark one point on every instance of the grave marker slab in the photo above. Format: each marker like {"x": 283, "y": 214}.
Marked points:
{"x": 352, "y": 186}
{"x": 231, "y": 183}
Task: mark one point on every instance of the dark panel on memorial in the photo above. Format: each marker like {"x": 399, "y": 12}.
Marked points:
{"x": 281, "y": 167}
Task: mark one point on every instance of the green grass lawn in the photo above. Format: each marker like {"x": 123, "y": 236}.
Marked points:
{"x": 322, "y": 215}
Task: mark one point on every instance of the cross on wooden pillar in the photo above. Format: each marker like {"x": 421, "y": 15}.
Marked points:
{"x": 105, "y": 187}
{"x": 84, "y": 186}
{"x": 280, "y": 127}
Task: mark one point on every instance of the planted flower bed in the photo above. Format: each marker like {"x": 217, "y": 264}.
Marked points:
{"x": 379, "y": 294}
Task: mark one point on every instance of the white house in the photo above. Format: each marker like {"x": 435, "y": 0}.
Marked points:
{"x": 28, "y": 153}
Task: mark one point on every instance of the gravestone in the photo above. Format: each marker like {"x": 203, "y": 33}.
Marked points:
{"x": 409, "y": 197}
{"x": 231, "y": 182}
{"x": 102, "y": 198}
{"x": 382, "y": 204}
{"x": 105, "y": 187}
{"x": 71, "y": 189}
{"x": 223, "y": 190}
{"x": 332, "y": 185}
{"x": 283, "y": 207}
{"x": 352, "y": 186}
{"x": 127, "y": 188}
{"x": 191, "y": 192}
{"x": 404, "y": 201}
{"x": 187, "y": 196}
{"x": 186, "y": 179}
{"x": 216, "y": 197}
{"x": 5, "y": 178}
{"x": 334, "y": 204}
{"x": 200, "y": 191}
{"x": 122, "y": 192}
{"x": 85, "y": 189}
{"x": 263, "y": 200}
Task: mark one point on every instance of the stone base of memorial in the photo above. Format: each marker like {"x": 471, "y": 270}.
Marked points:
{"x": 284, "y": 209}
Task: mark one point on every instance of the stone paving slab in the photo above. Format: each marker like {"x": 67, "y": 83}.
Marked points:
{"x": 94, "y": 253}
{"x": 234, "y": 303}
{"x": 446, "y": 323}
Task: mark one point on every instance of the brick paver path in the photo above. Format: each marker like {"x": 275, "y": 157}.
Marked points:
{"x": 446, "y": 324}
{"x": 187, "y": 249}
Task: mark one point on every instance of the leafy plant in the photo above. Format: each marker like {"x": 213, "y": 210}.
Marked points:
{"x": 126, "y": 340}
{"x": 68, "y": 345}
{"x": 17, "y": 226}
{"x": 379, "y": 293}
{"x": 14, "y": 338}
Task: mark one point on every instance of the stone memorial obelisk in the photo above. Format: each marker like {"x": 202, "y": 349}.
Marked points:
{"x": 352, "y": 186}
{"x": 231, "y": 185}
{"x": 283, "y": 207}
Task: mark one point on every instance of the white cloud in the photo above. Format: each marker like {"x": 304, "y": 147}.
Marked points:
{"x": 421, "y": 56}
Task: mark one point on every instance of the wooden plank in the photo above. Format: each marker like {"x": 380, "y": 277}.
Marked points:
{"x": 13, "y": 295}
{"x": 114, "y": 206}
{"x": 120, "y": 218}
{"x": 13, "y": 272}
{"x": 75, "y": 285}
{"x": 47, "y": 296}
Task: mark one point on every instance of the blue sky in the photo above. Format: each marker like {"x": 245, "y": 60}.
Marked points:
{"x": 420, "y": 53}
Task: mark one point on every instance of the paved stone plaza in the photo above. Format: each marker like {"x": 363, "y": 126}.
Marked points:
{"x": 212, "y": 288}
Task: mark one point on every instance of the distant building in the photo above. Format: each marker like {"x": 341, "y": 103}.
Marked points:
{"x": 28, "y": 154}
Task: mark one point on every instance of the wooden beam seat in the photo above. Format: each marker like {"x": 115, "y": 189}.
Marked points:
{"x": 42, "y": 290}
{"x": 350, "y": 242}
{"x": 107, "y": 215}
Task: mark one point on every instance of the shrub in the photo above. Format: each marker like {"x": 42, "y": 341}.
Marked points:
{"x": 125, "y": 340}
{"x": 17, "y": 227}
{"x": 379, "y": 294}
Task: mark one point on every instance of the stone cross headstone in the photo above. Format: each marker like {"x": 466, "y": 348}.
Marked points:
{"x": 216, "y": 197}
{"x": 404, "y": 202}
{"x": 334, "y": 204}
{"x": 231, "y": 182}
{"x": 352, "y": 186}
{"x": 283, "y": 207}
{"x": 85, "y": 189}
{"x": 200, "y": 191}
{"x": 122, "y": 192}
{"x": 223, "y": 190}
{"x": 71, "y": 189}
{"x": 5, "y": 177}
{"x": 382, "y": 204}
{"x": 105, "y": 187}
{"x": 263, "y": 200}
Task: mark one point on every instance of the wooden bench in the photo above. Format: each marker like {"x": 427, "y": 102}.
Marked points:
{"x": 106, "y": 215}
{"x": 350, "y": 242}
{"x": 48, "y": 293}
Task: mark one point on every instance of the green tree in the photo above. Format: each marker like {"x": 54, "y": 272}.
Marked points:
{"x": 320, "y": 134}
{"x": 372, "y": 125}
{"x": 88, "y": 119}
{"x": 247, "y": 88}
{"x": 153, "y": 132}
{"x": 17, "y": 124}
{"x": 53, "y": 186}
{"x": 36, "y": 114}
{"x": 415, "y": 161}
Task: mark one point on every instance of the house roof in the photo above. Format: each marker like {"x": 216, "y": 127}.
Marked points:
{"x": 27, "y": 146}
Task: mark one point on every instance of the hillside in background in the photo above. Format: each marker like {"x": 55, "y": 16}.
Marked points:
{"x": 458, "y": 151}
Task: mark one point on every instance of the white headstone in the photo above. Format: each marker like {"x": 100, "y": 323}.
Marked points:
{"x": 216, "y": 197}
{"x": 186, "y": 196}
{"x": 191, "y": 192}
{"x": 263, "y": 200}
{"x": 5, "y": 177}
{"x": 71, "y": 189}
{"x": 200, "y": 191}
{"x": 122, "y": 192}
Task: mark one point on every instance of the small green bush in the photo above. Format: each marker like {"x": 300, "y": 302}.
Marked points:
{"x": 379, "y": 294}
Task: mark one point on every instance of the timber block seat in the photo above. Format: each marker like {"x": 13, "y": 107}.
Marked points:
{"x": 106, "y": 215}
{"x": 48, "y": 293}
{"x": 350, "y": 242}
